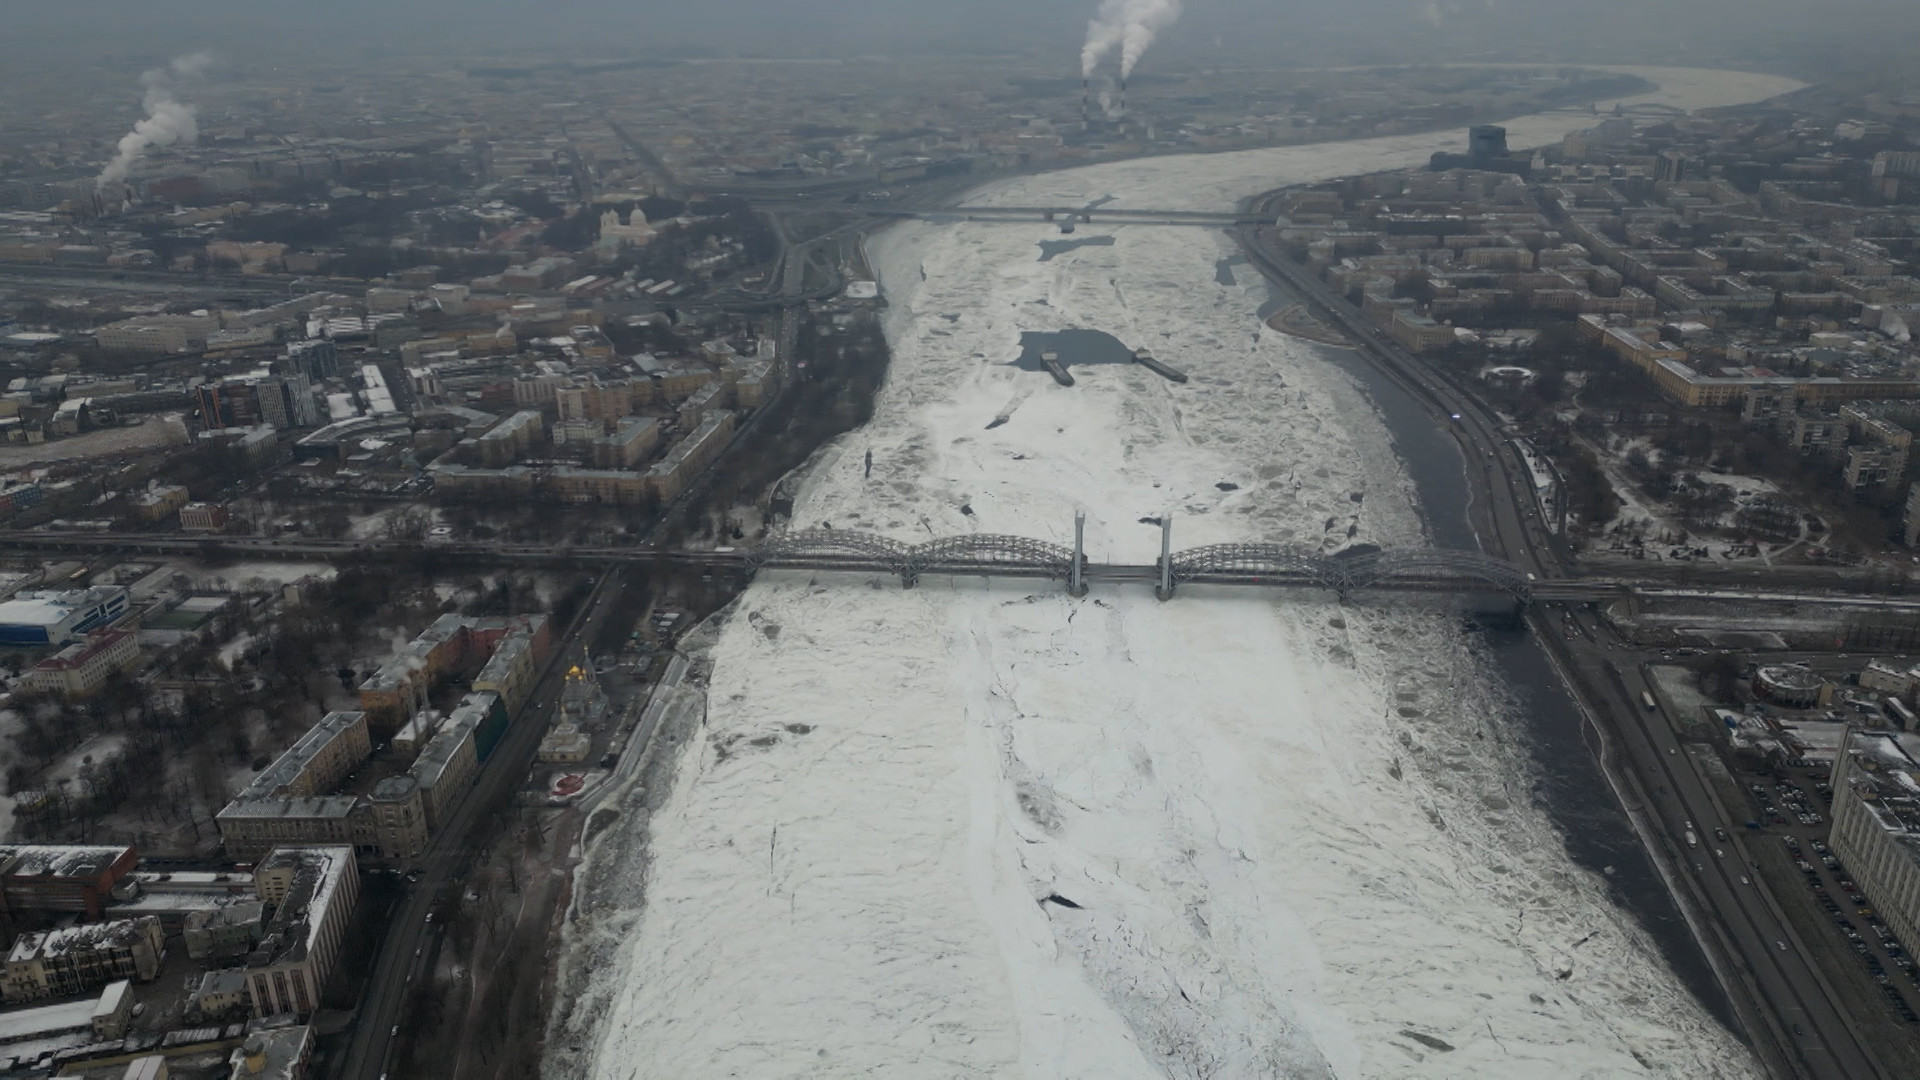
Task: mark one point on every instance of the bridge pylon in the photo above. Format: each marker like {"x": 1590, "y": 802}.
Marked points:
{"x": 1163, "y": 589}
{"x": 1077, "y": 573}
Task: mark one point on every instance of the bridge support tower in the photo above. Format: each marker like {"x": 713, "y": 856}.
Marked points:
{"x": 1163, "y": 589}
{"x": 1077, "y": 574}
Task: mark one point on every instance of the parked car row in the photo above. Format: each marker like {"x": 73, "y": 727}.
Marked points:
{"x": 1853, "y": 900}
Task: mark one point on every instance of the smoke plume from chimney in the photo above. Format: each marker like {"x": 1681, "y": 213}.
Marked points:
{"x": 167, "y": 121}
{"x": 1127, "y": 25}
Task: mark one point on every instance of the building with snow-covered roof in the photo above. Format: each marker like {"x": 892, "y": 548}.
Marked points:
{"x": 59, "y": 618}
{"x": 111, "y": 1013}
{"x": 523, "y": 644}
{"x": 312, "y": 892}
{"x": 318, "y": 760}
{"x": 1876, "y": 824}
{"x": 74, "y": 959}
{"x": 445, "y": 769}
{"x": 219, "y": 993}
{"x": 398, "y": 689}
{"x": 274, "y": 1054}
{"x": 83, "y": 667}
{"x": 674, "y": 471}
{"x": 288, "y": 802}
{"x": 157, "y": 333}
{"x": 102, "y": 1018}
{"x": 379, "y": 399}
{"x": 61, "y": 877}
{"x": 511, "y": 438}
{"x": 1793, "y": 685}
{"x": 1886, "y": 677}
{"x": 229, "y": 927}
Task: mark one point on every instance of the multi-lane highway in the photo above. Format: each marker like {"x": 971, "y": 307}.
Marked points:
{"x": 1780, "y": 995}
{"x": 1788, "y": 1008}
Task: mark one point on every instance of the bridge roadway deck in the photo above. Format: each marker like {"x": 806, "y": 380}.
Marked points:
{"x": 742, "y": 561}
{"x": 1080, "y": 215}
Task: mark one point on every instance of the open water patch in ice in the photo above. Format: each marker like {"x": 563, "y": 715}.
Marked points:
{"x": 1049, "y": 249}
{"x": 1076, "y": 348}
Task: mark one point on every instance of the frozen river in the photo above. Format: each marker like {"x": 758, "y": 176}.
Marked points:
{"x": 964, "y": 831}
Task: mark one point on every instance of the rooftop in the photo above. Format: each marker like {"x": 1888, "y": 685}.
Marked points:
{"x": 316, "y": 806}
{"x": 78, "y": 653}
{"x": 117, "y": 934}
{"x": 1886, "y": 777}
{"x": 58, "y": 860}
{"x": 303, "y": 911}
{"x": 278, "y": 1053}
{"x": 18, "y": 1024}
{"x": 1791, "y": 676}
{"x": 286, "y": 769}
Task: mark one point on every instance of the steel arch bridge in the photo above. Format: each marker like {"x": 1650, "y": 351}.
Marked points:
{"x": 1257, "y": 560}
{"x": 1408, "y": 569}
{"x": 830, "y": 548}
{"x": 814, "y": 547}
{"x": 990, "y": 550}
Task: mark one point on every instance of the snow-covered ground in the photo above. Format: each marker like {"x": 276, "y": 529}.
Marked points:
{"x": 969, "y": 831}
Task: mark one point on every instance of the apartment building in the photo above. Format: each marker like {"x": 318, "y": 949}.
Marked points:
{"x": 1876, "y": 824}
{"x": 312, "y": 891}
{"x": 72, "y": 960}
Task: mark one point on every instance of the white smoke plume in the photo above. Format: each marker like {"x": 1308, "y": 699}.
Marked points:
{"x": 167, "y": 121}
{"x": 1129, "y": 26}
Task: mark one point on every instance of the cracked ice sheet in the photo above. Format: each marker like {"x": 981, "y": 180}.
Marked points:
{"x": 1294, "y": 832}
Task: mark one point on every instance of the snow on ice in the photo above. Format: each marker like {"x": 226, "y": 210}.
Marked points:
{"x": 972, "y": 831}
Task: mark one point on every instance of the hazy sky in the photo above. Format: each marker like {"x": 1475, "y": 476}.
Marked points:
{"x": 1287, "y": 31}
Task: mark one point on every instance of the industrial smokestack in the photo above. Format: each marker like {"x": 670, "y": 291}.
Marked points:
{"x": 167, "y": 121}
{"x": 1129, "y": 26}
{"x": 1086, "y": 103}
{"x": 1122, "y": 116}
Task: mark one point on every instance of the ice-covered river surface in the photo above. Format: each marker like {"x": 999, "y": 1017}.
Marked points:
{"x": 976, "y": 830}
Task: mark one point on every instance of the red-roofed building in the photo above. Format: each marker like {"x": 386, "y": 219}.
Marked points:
{"x": 83, "y": 667}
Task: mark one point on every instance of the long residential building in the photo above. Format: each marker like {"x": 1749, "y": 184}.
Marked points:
{"x": 292, "y": 802}
{"x": 157, "y": 333}
{"x": 672, "y": 473}
{"x": 289, "y": 802}
{"x": 1876, "y": 824}
{"x": 75, "y": 959}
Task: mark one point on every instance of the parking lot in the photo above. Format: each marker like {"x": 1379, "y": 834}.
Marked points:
{"x": 1793, "y": 806}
